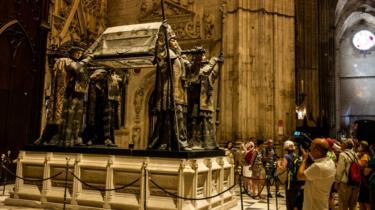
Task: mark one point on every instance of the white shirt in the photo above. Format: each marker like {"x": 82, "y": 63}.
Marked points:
{"x": 319, "y": 179}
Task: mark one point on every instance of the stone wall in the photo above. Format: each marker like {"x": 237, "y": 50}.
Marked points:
{"x": 315, "y": 52}
{"x": 307, "y": 62}
{"x": 258, "y": 76}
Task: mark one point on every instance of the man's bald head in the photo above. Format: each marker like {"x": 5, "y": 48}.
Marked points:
{"x": 319, "y": 148}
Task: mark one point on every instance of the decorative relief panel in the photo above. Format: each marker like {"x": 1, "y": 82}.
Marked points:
{"x": 187, "y": 23}
{"x": 136, "y": 135}
{"x": 77, "y": 20}
{"x": 208, "y": 25}
{"x": 138, "y": 101}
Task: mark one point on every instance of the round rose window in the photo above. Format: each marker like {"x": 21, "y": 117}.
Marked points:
{"x": 364, "y": 40}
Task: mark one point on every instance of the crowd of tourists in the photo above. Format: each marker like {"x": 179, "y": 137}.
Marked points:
{"x": 322, "y": 174}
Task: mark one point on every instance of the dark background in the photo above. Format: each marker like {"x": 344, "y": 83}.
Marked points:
{"x": 23, "y": 35}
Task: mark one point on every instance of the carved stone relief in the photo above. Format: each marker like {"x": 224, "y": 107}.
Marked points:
{"x": 77, "y": 20}
{"x": 138, "y": 101}
{"x": 136, "y": 135}
{"x": 208, "y": 25}
{"x": 91, "y": 6}
{"x": 183, "y": 2}
{"x": 185, "y": 23}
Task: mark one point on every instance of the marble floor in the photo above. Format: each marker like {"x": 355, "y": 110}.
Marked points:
{"x": 252, "y": 204}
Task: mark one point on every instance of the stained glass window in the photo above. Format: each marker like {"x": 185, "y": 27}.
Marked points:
{"x": 364, "y": 40}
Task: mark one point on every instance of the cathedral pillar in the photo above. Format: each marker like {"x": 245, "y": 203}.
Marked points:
{"x": 258, "y": 80}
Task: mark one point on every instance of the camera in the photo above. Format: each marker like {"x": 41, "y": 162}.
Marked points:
{"x": 302, "y": 139}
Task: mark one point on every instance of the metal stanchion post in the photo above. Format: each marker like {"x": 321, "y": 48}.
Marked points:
{"x": 144, "y": 190}
{"x": 4, "y": 172}
{"x": 5, "y": 162}
{"x": 276, "y": 180}
{"x": 5, "y": 181}
{"x": 66, "y": 180}
{"x": 240, "y": 183}
{"x": 268, "y": 191}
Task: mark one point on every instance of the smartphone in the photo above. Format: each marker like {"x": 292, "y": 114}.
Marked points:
{"x": 297, "y": 133}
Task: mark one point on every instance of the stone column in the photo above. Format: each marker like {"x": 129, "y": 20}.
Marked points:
{"x": 46, "y": 174}
{"x": 19, "y": 182}
{"x": 109, "y": 183}
{"x": 144, "y": 191}
{"x": 258, "y": 78}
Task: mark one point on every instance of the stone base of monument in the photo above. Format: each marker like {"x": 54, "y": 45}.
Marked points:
{"x": 105, "y": 178}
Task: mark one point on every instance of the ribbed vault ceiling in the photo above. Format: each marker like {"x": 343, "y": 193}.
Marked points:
{"x": 353, "y": 13}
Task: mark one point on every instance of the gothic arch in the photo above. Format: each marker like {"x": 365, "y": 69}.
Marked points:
{"x": 351, "y": 66}
{"x": 339, "y": 7}
{"x": 355, "y": 18}
{"x": 16, "y": 38}
{"x": 141, "y": 95}
{"x": 149, "y": 84}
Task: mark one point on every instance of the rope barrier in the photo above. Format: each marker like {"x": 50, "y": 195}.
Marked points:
{"x": 100, "y": 189}
{"x": 75, "y": 176}
{"x": 259, "y": 191}
{"x": 262, "y": 179}
{"x": 252, "y": 196}
{"x": 192, "y": 199}
{"x": 31, "y": 180}
{"x": 252, "y": 178}
{"x": 272, "y": 179}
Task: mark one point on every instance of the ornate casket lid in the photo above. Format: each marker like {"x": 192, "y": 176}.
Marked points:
{"x": 127, "y": 46}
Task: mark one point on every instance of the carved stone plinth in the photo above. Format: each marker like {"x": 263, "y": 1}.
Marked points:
{"x": 186, "y": 174}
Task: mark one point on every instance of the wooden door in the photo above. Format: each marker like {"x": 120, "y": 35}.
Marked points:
{"x": 22, "y": 42}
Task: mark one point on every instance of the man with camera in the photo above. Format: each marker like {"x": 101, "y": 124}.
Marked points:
{"x": 318, "y": 177}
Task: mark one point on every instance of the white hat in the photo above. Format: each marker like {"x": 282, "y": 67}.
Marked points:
{"x": 288, "y": 144}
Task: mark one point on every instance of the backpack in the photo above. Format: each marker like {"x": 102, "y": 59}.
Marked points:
{"x": 289, "y": 174}
{"x": 249, "y": 156}
{"x": 354, "y": 173}
{"x": 292, "y": 173}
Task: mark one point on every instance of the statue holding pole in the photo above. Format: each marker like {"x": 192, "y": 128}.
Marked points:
{"x": 170, "y": 105}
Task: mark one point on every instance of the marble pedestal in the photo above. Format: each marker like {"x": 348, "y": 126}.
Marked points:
{"x": 186, "y": 174}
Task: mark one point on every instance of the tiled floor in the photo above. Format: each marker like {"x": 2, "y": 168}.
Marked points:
{"x": 248, "y": 203}
{"x": 252, "y": 204}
